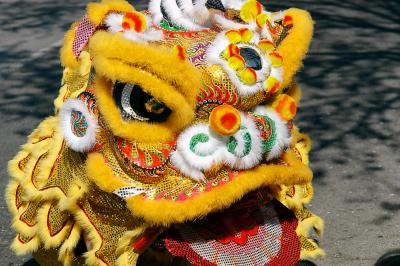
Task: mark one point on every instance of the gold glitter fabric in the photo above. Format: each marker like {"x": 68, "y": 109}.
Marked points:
{"x": 108, "y": 194}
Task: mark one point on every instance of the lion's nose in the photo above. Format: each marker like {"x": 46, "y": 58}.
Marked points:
{"x": 225, "y": 120}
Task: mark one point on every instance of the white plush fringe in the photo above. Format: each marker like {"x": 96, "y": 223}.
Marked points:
{"x": 76, "y": 143}
{"x": 283, "y": 136}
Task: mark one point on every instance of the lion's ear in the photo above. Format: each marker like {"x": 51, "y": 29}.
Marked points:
{"x": 78, "y": 35}
{"x": 294, "y": 43}
{"x": 97, "y": 12}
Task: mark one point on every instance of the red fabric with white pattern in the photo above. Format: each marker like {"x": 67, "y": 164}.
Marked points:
{"x": 249, "y": 233}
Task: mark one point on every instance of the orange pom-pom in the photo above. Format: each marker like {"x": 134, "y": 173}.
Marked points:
{"x": 134, "y": 21}
{"x": 250, "y": 10}
{"x": 262, "y": 19}
{"x": 276, "y": 59}
{"x": 285, "y": 106}
{"x": 234, "y": 36}
{"x": 246, "y": 35}
{"x": 230, "y": 51}
{"x": 266, "y": 45}
{"x": 287, "y": 21}
{"x": 248, "y": 76}
{"x": 236, "y": 62}
{"x": 225, "y": 120}
{"x": 272, "y": 85}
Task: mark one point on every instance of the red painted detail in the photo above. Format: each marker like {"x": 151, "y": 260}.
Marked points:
{"x": 144, "y": 241}
{"x": 229, "y": 120}
{"x": 127, "y": 147}
{"x": 242, "y": 238}
{"x": 271, "y": 28}
{"x": 126, "y": 26}
{"x": 287, "y": 20}
{"x": 136, "y": 20}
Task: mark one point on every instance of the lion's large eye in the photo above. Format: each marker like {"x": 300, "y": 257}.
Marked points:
{"x": 135, "y": 103}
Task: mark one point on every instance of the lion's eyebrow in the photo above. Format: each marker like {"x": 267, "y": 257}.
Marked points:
{"x": 148, "y": 70}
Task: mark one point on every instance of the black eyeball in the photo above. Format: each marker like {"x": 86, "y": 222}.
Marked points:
{"x": 252, "y": 58}
{"x": 136, "y": 104}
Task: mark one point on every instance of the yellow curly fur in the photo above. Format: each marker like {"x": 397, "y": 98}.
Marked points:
{"x": 295, "y": 46}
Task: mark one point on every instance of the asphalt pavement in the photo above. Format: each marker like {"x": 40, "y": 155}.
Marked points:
{"x": 350, "y": 108}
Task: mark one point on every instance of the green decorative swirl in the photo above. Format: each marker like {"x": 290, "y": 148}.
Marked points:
{"x": 196, "y": 139}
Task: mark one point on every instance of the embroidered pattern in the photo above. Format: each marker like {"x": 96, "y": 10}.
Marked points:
{"x": 79, "y": 124}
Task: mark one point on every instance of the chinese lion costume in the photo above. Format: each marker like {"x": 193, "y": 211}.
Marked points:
{"x": 172, "y": 142}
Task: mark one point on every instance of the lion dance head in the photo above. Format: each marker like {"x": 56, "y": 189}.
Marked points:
{"x": 172, "y": 142}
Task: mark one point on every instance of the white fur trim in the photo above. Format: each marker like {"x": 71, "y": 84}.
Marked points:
{"x": 155, "y": 9}
{"x": 283, "y": 136}
{"x": 233, "y": 4}
{"x": 114, "y": 22}
{"x": 187, "y": 7}
{"x": 229, "y": 24}
{"x": 76, "y": 143}
{"x": 255, "y": 155}
{"x": 147, "y": 36}
{"x": 186, "y": 168}
{"x": 277, "y": 15}
{"x": 213, "y": 57}
{"x": 178, "y": 17}
{"x": 201, "y": 14}
{"x": 206, "y": 154}
{"x": 197, "y": 12}
{"x": 215, "y": 150}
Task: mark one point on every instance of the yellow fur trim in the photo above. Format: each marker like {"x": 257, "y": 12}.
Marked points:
{"x": 182, "y": 114}
{"x": 302, "y": 195}
{"x": 313, "y": 222}
{"x": 98, "y": 11}
{"x": 11, "y": 193}
{"x": 108, "y": 48}
{"x": 103, "y": 177}
{"x": 294, "y": 47}
{"x": 66, "y": 53}
{"x": 63, "y": 94}
{"x": 115, "y": 58}
{"x": 51, "y": 147}
{"x": 294, "y": 91}
{"x": 77, "y": 190}
{"x": 22, "y": 249}
{"x": 66, "y": 251}
{"x": 165, "y": 212}
{"x": 27, "y": 230}
{"x": 84, "y": 63}
{"x": 302, "y": 144}
{"x": 312, "y": 254}
{"x": 91, "y": 232}
{"x": 47, "y": 139}
{"x": 43, "y": 231}
{"x": 125, "y": 253}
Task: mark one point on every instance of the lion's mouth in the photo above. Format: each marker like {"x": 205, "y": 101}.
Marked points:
{"x": 254, "y": 231}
